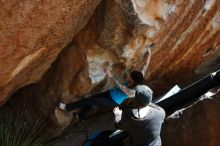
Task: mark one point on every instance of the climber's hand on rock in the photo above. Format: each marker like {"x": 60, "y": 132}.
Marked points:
{"x": 107, "y": 72}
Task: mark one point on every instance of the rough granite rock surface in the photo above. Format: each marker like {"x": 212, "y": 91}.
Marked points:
{"x": 32, "y": 34}
{"x": 197, "y": 125}
{"x": 57, "y": 50}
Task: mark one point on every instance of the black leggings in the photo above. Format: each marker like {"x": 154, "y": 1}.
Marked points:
{"x": 103, "y": 100}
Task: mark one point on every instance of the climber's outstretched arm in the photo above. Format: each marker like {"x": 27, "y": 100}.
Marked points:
{"x": 144, "y": 70}
{"x": 126, "y": 90}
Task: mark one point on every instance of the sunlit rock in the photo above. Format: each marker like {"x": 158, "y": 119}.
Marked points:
{"x": 57, "y": 50}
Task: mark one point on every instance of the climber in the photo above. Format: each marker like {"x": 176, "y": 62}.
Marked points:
{"x": 143, "y": 122}
{"x": 111, "y": 98}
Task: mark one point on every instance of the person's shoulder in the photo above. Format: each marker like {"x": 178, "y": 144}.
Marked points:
{"x": 158, "y": 109}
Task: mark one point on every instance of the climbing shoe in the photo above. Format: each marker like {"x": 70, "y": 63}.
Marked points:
{"x": 61, "y": 105}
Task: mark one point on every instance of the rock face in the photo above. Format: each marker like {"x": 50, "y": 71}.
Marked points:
{"x": 197, "y": 125}
{"x": 44, "y": 48}
{"x": 32, "y": 34}
{"x": 188, "y": 45}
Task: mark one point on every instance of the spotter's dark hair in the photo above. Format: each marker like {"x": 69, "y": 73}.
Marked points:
{"x": 137, "y": 77}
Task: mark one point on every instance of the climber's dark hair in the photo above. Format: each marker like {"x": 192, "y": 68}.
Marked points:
{"x": 137, "y": 77}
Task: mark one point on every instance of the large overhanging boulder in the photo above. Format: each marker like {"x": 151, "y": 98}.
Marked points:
{"x": 196, "y": 125}
{"x": 32, "y": 34}
{"x": 33, "y": 38}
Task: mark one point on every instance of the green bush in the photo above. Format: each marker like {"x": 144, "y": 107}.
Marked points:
{"x": 15, "y": 131}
